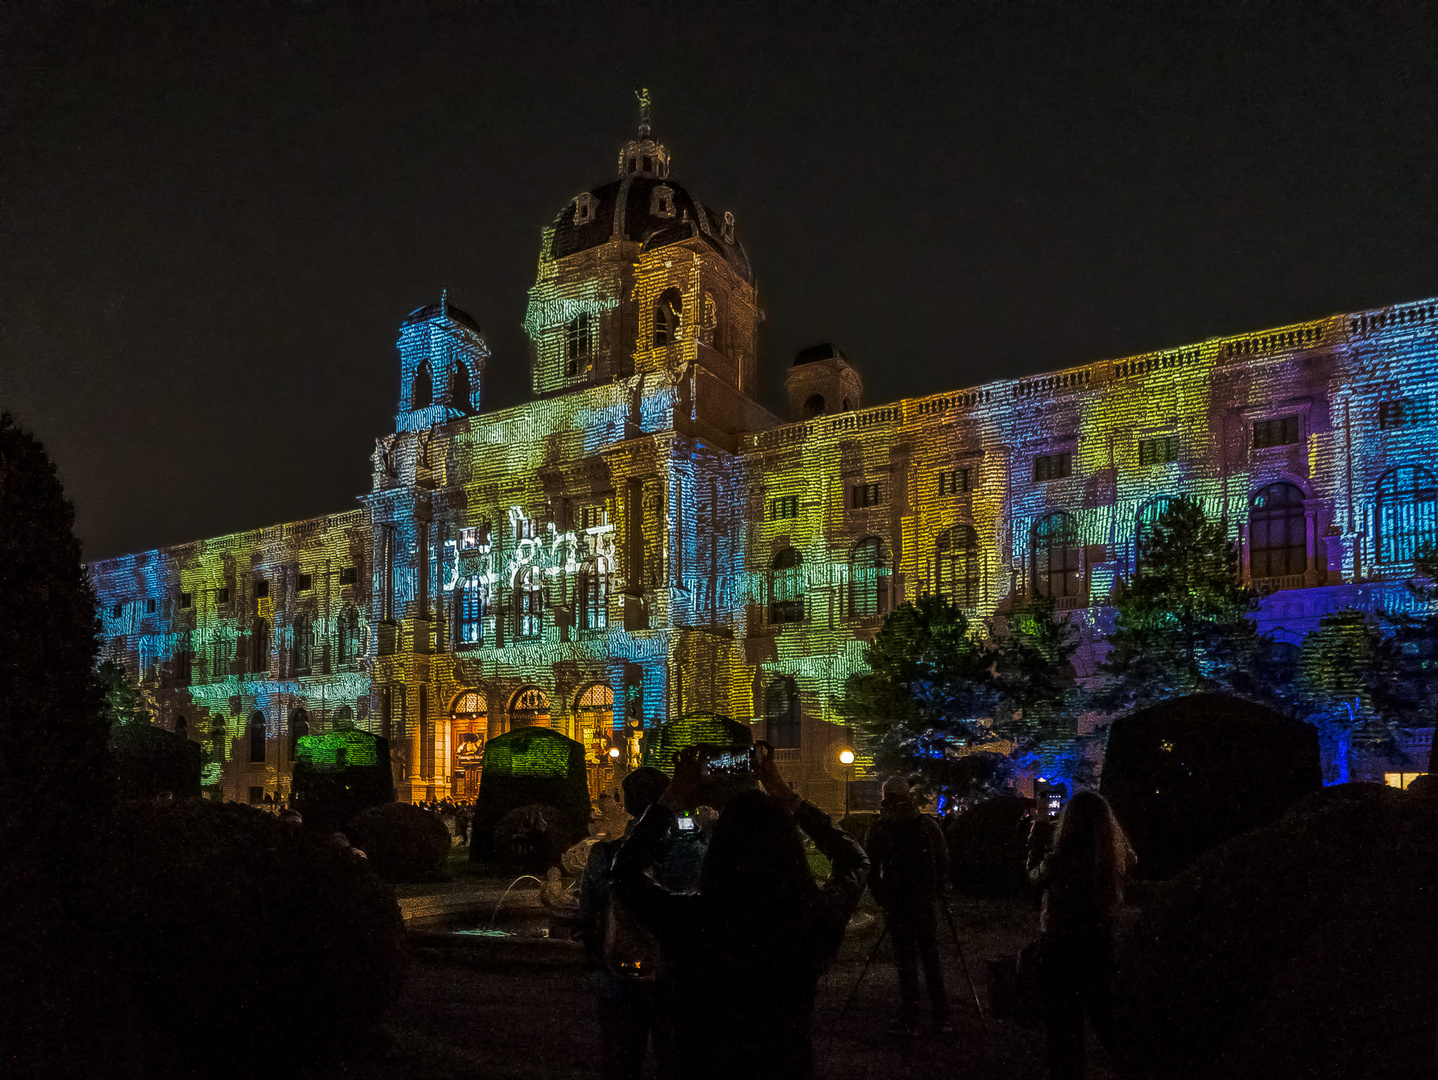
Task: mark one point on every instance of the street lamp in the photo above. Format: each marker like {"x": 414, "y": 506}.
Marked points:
{"x": 846, "y": 759}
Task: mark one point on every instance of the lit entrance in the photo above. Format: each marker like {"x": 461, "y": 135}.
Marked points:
{"x": 594, "y": 724}
{"x": 529, "y": 708}
{"x": 469, "y": 721}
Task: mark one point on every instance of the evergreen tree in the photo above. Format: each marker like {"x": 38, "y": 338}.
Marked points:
{"x": 1184, "y": 623}
{"x": 54, "y": 770}
{"x": 937, "y": 686}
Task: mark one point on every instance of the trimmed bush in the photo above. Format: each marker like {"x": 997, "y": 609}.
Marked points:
{"x": 858, "y": 824}
{"x": 532, "y": 838}
{"x": 987, "y": 844}
{"x": 1302, "y": 948}
{"x": 149, "y": 760}
{"x": 242, "y": 939}
{"x": 403, "y": 842}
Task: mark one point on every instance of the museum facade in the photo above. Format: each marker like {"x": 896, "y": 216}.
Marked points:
{"x": 643, "y": 540}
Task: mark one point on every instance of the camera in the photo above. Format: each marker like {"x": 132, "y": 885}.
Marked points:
{"x": 686, "y": 824}
{"x": 717, "y": 760}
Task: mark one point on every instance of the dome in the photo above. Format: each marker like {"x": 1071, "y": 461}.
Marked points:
{"x": 443, "y": 309}
{"x": 649, "y": 210}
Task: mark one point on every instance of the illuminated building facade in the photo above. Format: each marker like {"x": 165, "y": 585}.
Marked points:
{"x": 643, "y": 540}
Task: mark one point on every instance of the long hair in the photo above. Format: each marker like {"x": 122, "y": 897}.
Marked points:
{"x": 756, "y": 859}
{"x": 1090, "y": 839}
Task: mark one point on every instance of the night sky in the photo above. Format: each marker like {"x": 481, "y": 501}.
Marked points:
{"x": 214, "y": 217}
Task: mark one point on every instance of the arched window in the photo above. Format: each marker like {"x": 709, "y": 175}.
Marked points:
{"x": 710, "y": 329}
{"x": 260, "y": 646}
{"x": 299, "y": 728}
{"x": 469, "y": 720}
{"x": 786, "y": 587}
{"x": 1277, "y": 532}
{"x": 781, "y": 714}
{"x": 1055, "y": 553}
{"x": 1406, "y": 522}
{"x": 868, "y": 579}
{"x": 529, "y": 708}
{"x": 814, "y": 406}
{"x": 667, "y": 310}
{"x": 257, "y": 737}
{"x": 304, "y": 644}
{"x": 1148, "y": 515}
{"x": 471, "y": 607}
{"x": 529, "y": 603}
{"x": 593, "y": 716}
{"x": 956, "y": 572}
{"x": 594, "y": 594}
{"x": 348, "y": 638}
{"x": 422, "y": 393}
{"x": 459, "y": 390}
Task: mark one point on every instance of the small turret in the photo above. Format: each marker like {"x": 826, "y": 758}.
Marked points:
{"x": 822, "y": 382}
{"x": 441, "y": 365}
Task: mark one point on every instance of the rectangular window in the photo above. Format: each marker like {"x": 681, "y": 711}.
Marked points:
{"x": 1409, "y": 412}
{"x": 577, "y": 339}
{"x": 1157, "y": 450}
{"x": 304, "y": 583}
{"x": 187, "y": 600}
{"x": 593, "y": 517}
{"x": 1052, "y": 467}
{"x": 262, "y": 588}
{"x": 222, "y": 596}
{"x": 955, "y": 481}
{"x": 523, "y": 529}
{"x": 1280, "y": 431}
{"x": 783, "y": 506}
{"x": 184, "y": 665}
{"x": 115, "y": 611}
{"x": 348, "y": 575}
{"x": 868, "y": 495}
{"x": 150, "y": 605}
{"x": 257, "y": 796}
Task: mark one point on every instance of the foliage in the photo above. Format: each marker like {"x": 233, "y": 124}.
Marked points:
{"x": 123, "y": 701}
{"x": 1184, "y": 622}
{"x": 403, "y": 842}
{"x": 231, "y": 925}
{"x": 938, "y": 688}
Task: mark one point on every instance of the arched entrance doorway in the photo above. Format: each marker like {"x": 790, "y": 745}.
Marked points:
{"x": 469, "y": 721}
{"x": 529, "y": 708}
{"x": 594, "y": 726}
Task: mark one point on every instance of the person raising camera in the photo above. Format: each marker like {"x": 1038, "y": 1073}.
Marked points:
{"x": 742, "y": 956}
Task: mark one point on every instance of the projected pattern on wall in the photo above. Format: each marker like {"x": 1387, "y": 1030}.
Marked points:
{"x": 643, "y": 541}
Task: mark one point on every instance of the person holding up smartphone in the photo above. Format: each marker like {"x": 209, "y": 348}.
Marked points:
{"x": 742, "y": 956}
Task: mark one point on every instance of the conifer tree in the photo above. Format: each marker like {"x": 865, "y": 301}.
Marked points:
{"x": 1185, "y": 622}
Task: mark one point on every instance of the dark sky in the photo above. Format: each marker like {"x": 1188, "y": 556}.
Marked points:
{"x": 213, "y": 217}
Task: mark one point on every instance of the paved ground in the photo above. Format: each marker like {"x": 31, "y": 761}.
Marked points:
{"x": 522, "y": 1009}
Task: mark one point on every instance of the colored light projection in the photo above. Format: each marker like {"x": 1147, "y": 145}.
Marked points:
{"x": 645, "y": 535}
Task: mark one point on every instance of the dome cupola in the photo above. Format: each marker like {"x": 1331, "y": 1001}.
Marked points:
{"x": 643, "y": 156}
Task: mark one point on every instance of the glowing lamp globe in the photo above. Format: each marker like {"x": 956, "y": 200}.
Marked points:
{"x": 846, "y": 757}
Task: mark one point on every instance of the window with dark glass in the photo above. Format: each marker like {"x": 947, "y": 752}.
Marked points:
{"x": 1408, "y": 412}
{"x": 187, "y": 600}
{"x": 529, "y": 603}
{"x": 347, "y": 639}
{"x": 1277, "y": 532}
{"x": 782, "y": 718}
{"x": 472, "y": 600}
{"x": 1279, "y": 431}
{"x": 578, "y": 338}
{"x": 299, "y": 728}
{"x": 222, "y": 596}
{"x": 259, "y": 646}
{"x": 868, "y": 579}
{"x": 1157, "y": 450}
{"x": 348, "y": 575}
{"x": 150, "y": 605}
{"x": 786, "y": 587}
{"x": 1052, "y": 467}
{"x": 115, "y": 611}
{"x": 459, "y": 390}
{"x": 257, "y": 737}
{"x": 667, "y": 311}
{"x": 262, "y": 588}
{"x": 304, "y": 644}
{"x": 783, "y": 506}
{"x": 594, "y": 594}
{"x": 1054, "y": 554}
{"x": 1406, "y": 516}
{"x": 958, "y": 575}
{"x": 304, "y": 582}
{"x": 955, "y": 481}
{"x": 422, "y": 392}
{"x": 867, "y": 495}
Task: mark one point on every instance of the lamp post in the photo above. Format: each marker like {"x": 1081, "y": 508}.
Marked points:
{"x": 846, "y": 759}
